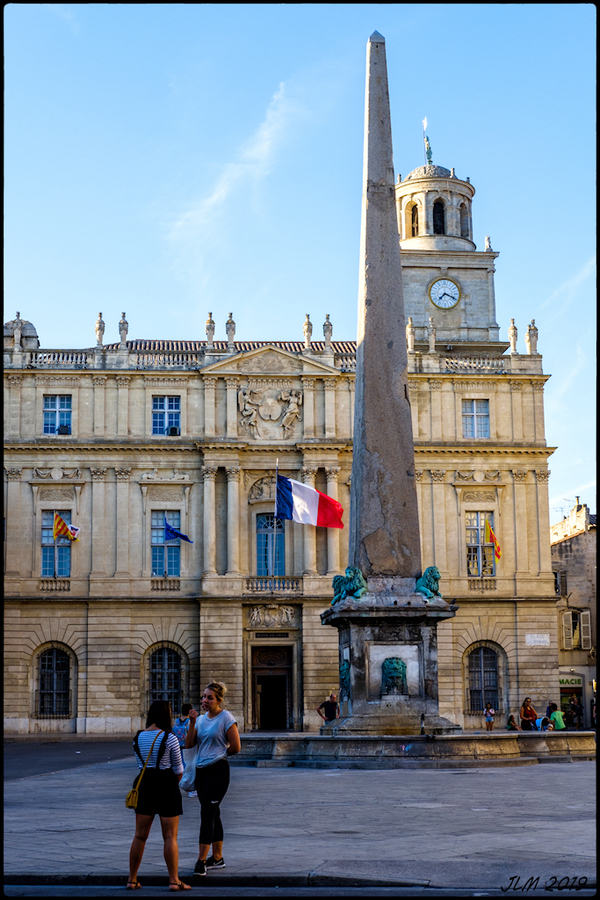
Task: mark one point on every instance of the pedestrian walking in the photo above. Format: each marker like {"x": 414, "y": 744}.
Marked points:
{"x": 216, "y": 734}
{"x": 180, "y": 730}
{"x": 489, "y": 713}
{"x": 159, "y": 792}
{"x": 528, "y": 715}
{"x": 557, "y": 718}
{"x": 331, "y": 708}
{"x": 576, "y": 712}
{"x": 511, "y": 725}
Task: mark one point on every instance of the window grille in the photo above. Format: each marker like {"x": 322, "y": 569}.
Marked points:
{"x": 166, "y": 415}
{"x": 57, "y": 414}
{"x": 165, "y": 677}
{"x": 270, "y": 547}
{"x": 53, "y": 696}
{"x": 166, "y": 555}
{"x": 56, "y": 554}
{"x": 483, "y": 679}
{"x": 476, "y": 418}
{"x": 480, "y": 556}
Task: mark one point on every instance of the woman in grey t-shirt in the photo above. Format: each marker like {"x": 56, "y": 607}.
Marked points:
{"x": 217, "y": 736}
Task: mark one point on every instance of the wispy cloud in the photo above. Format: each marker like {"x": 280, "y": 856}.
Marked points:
{"x": 64, "y": 12}
{"x": 198, "y": 226}
{"x": 567, "y": 292}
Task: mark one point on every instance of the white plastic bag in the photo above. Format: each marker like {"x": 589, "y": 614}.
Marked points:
{"x": 188, "y": 778}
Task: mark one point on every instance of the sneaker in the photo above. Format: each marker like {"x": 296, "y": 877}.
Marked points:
{"x": 212, "y": 863}
{"x": 193, "y": 794}
{"x": 200, "y": 867}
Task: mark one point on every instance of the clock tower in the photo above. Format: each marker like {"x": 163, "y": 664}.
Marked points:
{"x": 443, "y": 275}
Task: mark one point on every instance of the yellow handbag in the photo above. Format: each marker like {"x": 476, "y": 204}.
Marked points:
{"x": 131, "y": 800}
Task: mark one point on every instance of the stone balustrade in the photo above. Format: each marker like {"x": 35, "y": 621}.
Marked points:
{"x": 272, "y": 584}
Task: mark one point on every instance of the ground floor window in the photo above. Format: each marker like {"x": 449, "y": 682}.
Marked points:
{"x": 483, "y": 679}
{"x": 54, "y": 695}
{"x": 165, "y": 677}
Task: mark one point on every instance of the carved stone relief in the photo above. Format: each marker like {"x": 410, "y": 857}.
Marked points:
{"x": 49, "y": 494}
{"x": 519, "y": 475}
{"x": 438, "y": 475}
{"x": 478, "y": 496}
{"x": 465, "y": 476}
{"x": 158, "y": 492}
{"x": 272, "y": 362}
{"x": 263, "y": 489}
{"x": 543, "y": 476}
{"x": 270, "y": 615}
{"x": 274, "y": 402}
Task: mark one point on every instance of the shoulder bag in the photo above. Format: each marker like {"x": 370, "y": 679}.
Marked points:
{"x": 131, "y": 800}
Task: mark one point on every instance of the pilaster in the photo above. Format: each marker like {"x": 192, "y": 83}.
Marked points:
{"x": 309, "y": 531}
{"x": 210, "y": 532}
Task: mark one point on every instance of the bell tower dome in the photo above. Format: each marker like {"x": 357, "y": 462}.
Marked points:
{"x": 434, "y": 210}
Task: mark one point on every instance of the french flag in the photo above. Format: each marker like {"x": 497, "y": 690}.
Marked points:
{"x": 306, "y": 505}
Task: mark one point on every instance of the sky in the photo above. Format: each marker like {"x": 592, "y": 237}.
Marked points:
{"x": 174, "y": 160}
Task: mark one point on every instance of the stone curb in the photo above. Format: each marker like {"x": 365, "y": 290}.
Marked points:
{"x": 282, "y": 880}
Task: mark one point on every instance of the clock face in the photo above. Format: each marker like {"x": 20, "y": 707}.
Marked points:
{"x": 444, "y": 293}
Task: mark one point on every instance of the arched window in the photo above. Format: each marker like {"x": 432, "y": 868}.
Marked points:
{"x": 414, "y": 220}
{"x": 439, "y": 224}
{"x": 270, "y": 548}
{"x": 165, "y": 677}
{"x": 464, "y": 221}
{"x": 54, "y": 694}
{"x": 483, "y": 679}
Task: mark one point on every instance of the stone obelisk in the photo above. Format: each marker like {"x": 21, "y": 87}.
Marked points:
{"x": 384, "y": 518}
{"x": 387, "y": 636}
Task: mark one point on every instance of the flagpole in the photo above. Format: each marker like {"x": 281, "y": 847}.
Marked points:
{"x": 271, "y": 555}
{"x": 54, "y": 539}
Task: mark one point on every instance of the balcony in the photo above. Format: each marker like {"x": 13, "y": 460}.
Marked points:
{"x": 53, "y": 585}
{"x": 275, "y": 584}
{"x": 165, "y": 584}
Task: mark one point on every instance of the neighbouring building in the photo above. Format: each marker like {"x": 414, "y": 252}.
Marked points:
{"x": 120, "y": 437}
{"x": 573, "y": 547}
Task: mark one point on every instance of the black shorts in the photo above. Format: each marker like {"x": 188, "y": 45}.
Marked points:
{"x": 159, "y": 794}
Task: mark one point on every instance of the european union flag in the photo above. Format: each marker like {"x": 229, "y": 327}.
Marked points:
{"x": 172, "y": 533}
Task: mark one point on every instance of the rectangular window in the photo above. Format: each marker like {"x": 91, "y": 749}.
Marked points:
{"x": 270, "y": 548}
{"x": 166, "y": 415}
{"x": 480, "y": 556}
{"x": 57, "y": 414}
{"x": 165, "y": 554}
{"x": 577, "y": 632}
{"x": 476, "y": 418}
{"x": 56, "y": 554}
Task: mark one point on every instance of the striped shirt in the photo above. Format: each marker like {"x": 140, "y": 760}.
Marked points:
{"x": 171, "y": 758}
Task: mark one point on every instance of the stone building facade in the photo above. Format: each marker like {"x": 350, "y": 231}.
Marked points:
{"x": 573, "y": 548}
{"x": 118, "y": 438}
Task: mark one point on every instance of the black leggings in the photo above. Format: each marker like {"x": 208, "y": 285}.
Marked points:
{"x": 211, "y": 783}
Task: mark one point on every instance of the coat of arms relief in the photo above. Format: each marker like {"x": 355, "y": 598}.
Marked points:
{"x": 269, "y": 408}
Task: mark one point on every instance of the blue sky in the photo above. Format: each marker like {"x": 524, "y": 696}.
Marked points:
{"x": 171, "y": 160}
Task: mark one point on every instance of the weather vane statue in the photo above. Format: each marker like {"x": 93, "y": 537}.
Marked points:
{"x": 426, "y": 144}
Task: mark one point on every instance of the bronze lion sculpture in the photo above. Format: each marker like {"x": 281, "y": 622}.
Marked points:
{"x": 429, "y": 584}
{"x": 352, "y": 584}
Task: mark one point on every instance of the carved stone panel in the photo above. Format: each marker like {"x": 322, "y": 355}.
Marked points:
{"x": 479, "y": 497}
{"x": 270, "y": 361}
{"x": 56, "y": 494}
{"x": 263, "y": 489}
{"x": 273, "y": 615}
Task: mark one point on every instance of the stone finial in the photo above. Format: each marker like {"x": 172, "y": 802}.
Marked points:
{"x": 230, "y": 329}
{"x": 410, "y": 335}
{"x": 512, "y": 336}
{"x": 18, "y": 330}
{"x": 327, "y": 331}
{"x": 531, "y": 338}
{"x": 488, "y": 243}
{"x": 307, "y": 329}
{"x": 210, "y": 332}
{"x": 431, "y": 332}
{"x": 123, "y": 329}
{"x": 99, "y": 329}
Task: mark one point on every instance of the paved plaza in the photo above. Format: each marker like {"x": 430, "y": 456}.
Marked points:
{"x": 452, "y": 828}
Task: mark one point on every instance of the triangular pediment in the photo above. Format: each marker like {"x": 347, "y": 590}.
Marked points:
{"x": 269, "y": 360}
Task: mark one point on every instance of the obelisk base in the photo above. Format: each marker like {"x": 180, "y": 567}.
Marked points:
{"x": 388, "y": 660}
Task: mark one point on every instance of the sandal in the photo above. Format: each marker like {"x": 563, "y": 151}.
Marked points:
{"x": 179, "y": 886}
{"x": 133, "y": 886}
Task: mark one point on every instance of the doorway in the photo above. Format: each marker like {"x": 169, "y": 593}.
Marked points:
{"x": 272, "y": 700}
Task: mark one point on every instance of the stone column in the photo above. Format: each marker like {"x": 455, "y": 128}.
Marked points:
{"x": 210, "y": 529}
{"x": 330, "y": 386}
{"x": 122, "y": 405}
{"x": 123, "y": 522}
{"x": 98, "y": 523}
{"x": 232, "y": 384}
{"x": 233, "y": 516}
{"x": 309, "y": 531}
{"x": 308, "y": 385}
{"x": 333, "y": 534}
{"x": 99, "y": 382}
{"x": 210, "y": 385}
{"x": 14, "y": 426}
{"x": 520, "y": 513}
{"x": 14, "y": 540}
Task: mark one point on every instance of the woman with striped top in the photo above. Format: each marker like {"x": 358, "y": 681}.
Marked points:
{"x": 158, "y": 792}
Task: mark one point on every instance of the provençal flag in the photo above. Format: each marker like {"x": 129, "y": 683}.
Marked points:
{"x": 61, "y": 529}
{"x": 490, "y": 538}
